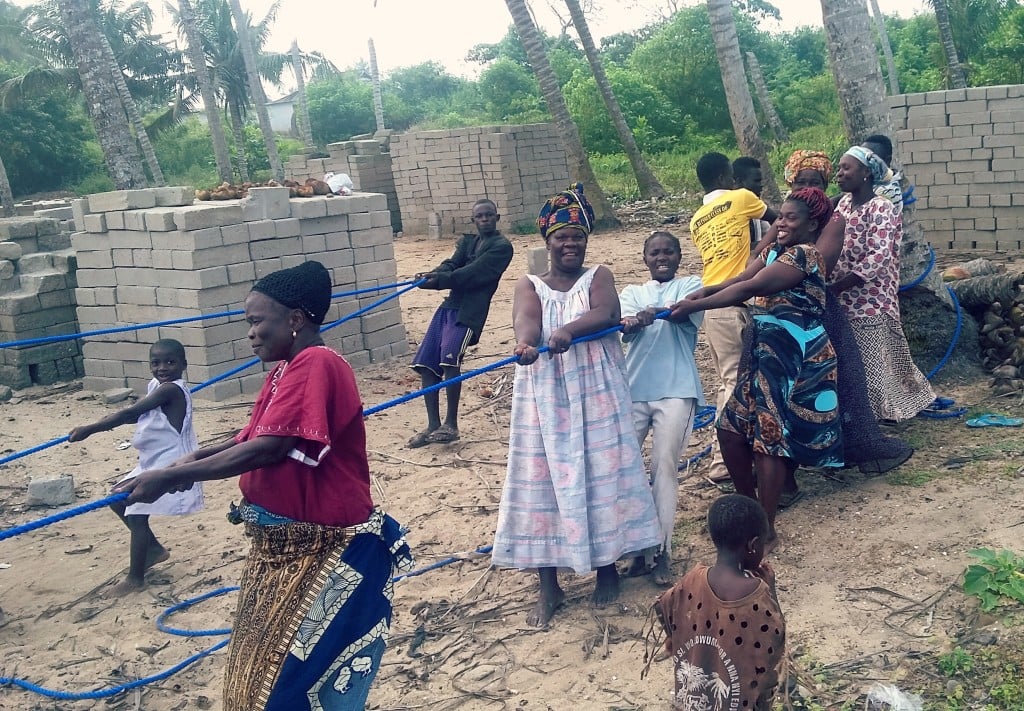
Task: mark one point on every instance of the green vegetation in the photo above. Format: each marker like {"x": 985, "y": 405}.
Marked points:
{"x": 665, "y": 75}
{"x": 997, "y": 579}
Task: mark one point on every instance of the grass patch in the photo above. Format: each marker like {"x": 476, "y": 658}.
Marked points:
{"x": 911, "y": 477}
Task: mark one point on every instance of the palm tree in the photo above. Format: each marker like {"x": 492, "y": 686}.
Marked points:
{"x": 646, "y": 182}
{"x": 301, "y": 105}
{"x": 765, "y": 99}
{"x": 883, "y": 37}
{"x": 124, "y": 162}
{"x": 957, "y": 80}
{"x": 579, "y": 163}
{"x": 6, "y": 196}
{"x": 737, "y": 94}
{"x": 855, "y": 69}
{"x": 259, "y": 99}
{"x": 194, "y": 46}
{"x": 133, "y": 113}
{"x": 378, "y": 101}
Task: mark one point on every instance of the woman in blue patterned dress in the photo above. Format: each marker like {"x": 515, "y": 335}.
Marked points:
{"x": 784, "y": 411}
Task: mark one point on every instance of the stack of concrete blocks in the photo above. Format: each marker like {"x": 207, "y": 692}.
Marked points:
{"x": 152, "y": 255}
{"x": 440, "y": 174}
{"x": 963, "y": 150}
{"x": 367, "y": 162}
{"x": 37, "y": 282}
{"x": 28, "y": 208}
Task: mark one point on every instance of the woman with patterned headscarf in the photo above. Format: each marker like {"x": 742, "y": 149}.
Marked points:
{"x": 576, "y": 493}
{"x": 807, "y": 169}
{"x": 866, "y": 282}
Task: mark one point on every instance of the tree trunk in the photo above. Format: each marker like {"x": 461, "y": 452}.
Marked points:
{"x": 238, "y": 133}
{"x": 194, "y": 46}
{"x": 378, "y": 100}
{"x": 6, "y": 196}
{"x": 983, "y": 291}
{"x": 132, "y": 110}
{"x": 927, "y": 310}
{"x": 301, "y": 106}
{"x": 957, "y": 80}
{"x": 855, "y": 68}
{"x": 737, "y": 94}
{"x": 120, "y": 151}
{"x": 259, "y": 99}
{"x": 579, "y": 163}
{"x": 765, "y": 99}
{"x": 646, "y": 182}
{"x": 883, "y": 37}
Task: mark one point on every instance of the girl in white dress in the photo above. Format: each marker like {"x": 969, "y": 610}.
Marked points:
{"x": 163, "y": 434}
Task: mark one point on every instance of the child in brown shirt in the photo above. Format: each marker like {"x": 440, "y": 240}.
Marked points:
{"x": 725, "y": 630}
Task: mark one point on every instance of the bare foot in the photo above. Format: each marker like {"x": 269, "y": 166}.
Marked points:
{"x": 607, "y": 588}
{"x": 772, "y": 542}
{"x": 156, "y": 554}
{"x": 661, "y": 573}
{"x": 545, "y": 608}
{"x": 126, "y": 587}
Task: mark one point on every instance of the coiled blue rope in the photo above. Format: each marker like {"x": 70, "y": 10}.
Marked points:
{"x": 173, "y": 321}
{"x": 924, "y": 275}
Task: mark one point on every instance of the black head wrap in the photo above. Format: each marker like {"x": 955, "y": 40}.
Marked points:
{"x": 306, "y": 287}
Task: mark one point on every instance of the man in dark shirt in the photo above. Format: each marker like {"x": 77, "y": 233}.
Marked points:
{"x": 471, "y": 274}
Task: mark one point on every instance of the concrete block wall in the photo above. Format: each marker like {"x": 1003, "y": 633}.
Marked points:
{"x": 367, "y": 162}
{"x": 37, "y": 283}
{"x": 963, "y": 150}
{"x": 440, "y": 174}
{"x": 147, "y": 255}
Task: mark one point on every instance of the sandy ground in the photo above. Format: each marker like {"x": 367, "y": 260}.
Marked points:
{"x": 868, "y": 568}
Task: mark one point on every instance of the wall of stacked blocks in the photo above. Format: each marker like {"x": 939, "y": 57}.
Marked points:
{"x": 128, "y": 257}
{"x": 963, "y": 150}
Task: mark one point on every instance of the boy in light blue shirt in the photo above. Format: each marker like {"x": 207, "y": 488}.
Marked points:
{"x": 663, "y": 381}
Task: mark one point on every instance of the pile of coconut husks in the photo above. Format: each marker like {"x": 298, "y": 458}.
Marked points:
{"x": 231, "y": 191}
{"x": 995, "y": 296}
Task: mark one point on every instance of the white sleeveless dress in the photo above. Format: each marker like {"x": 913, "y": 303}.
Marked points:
{"x": 160, "y": 444}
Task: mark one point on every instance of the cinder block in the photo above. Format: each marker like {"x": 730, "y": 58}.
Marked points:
{"x": 160, "y": 219}
{"x": 115, "y": 220}
{"x": 235, "y": 234}
{"x": 50, "y": 491}
{"x": 79, "y": 207}
{"x": 197, "y": 217}
{"x": 96, "y": 223}
{"x": 325, "y": 225}
{"x": 135, "y": 220}
{"x": 122, "y": 200}
{"x": 307, "y": 208}
{"x": 537, "y": 261}
{"x": 174, "y": 196}
{"x": 10, "y": 250}
{"x": 266, "y": 204}
{"x": 281, "y": 247}
{"x": 288, "y": 227}
{"x": 261, "y": 229}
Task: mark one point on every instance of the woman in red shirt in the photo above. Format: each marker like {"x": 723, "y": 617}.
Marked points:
{"x": 315, "y": 601}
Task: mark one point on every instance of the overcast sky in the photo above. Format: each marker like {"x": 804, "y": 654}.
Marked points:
{"x": 408, "y": 32}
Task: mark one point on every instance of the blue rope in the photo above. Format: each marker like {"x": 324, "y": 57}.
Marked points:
{"x": 184, "y": 604}
{"x": 62, "y": 515}
{"x": 439, "y": 564}
{"x": 173, "y": 321}
{"x": 924, "y": 274}
{"x": 956, "y": 335}
{"x": 239, "y": 368}
{"x": 114, "y": 690}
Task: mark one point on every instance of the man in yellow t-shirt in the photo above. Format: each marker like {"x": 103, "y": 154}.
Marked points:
{"x": 720, "y": 230}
